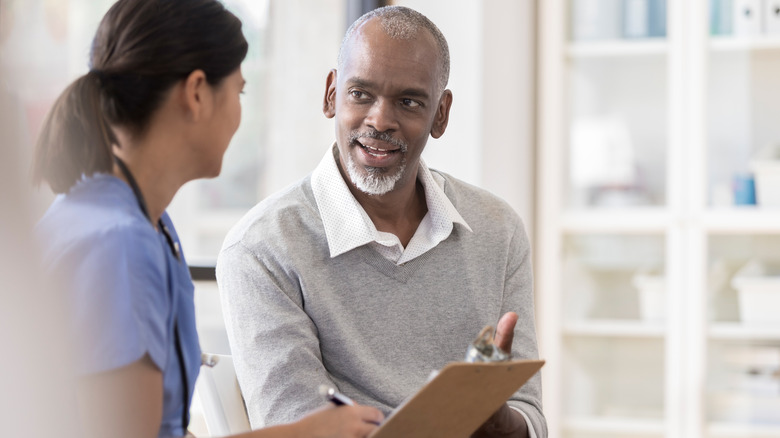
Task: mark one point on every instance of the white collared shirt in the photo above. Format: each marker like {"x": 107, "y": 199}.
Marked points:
{"x": 347, "y": 225}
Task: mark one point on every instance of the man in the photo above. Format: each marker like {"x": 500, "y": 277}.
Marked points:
{"x": 374, "y": 270}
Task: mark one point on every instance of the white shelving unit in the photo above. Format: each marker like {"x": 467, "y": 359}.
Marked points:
{"x": 693, "y": 108}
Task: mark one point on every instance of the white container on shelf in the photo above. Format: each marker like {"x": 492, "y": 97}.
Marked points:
{"x": 636, "y": 20}
{"x": 766, "y": 167}
{"x": 596, "y": 20}
{"x": 758, "y": 293}
{"x": 652, "y": 296}
{"x": 772, "y": 17}
{"x": 747, "y": 17}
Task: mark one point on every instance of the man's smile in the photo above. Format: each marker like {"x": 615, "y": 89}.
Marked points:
{"x": 377, "y": 151}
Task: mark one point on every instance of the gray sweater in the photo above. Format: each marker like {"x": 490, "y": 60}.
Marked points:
{"x": 297, "y": 318}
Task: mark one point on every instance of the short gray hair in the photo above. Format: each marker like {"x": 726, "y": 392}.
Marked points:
{"x": 401, "y": 22}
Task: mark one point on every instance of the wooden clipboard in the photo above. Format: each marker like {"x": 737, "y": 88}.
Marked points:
{"x": 458, "y": 400}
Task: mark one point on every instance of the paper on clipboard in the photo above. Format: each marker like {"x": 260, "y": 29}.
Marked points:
{"x": 458, "y": 400}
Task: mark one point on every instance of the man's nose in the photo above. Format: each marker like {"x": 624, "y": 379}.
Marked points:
{"x": 382, "y": 116}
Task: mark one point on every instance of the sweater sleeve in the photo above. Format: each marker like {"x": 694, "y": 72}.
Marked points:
{"x": 519, "y": 298}
{"x": 274, "y": 342}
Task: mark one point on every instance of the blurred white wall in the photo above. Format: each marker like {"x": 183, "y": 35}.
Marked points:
{"x": 490, "y": 138}
{"x": 305, "y": 38}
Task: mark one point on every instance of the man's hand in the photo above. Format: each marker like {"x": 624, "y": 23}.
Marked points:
{"x": 505, "y": 332}
{"x": 506, "y": 422}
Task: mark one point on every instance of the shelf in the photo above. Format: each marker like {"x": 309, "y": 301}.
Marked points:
{"x": 734, "y": 331}
{"x": 740, "y": 220}
{"x": 737, "y": 44}
{"x": 617, "y": 220}
{"x": 615, "y": 328}
{"x": 738, "y": 430}
{"x": 754, "y": 220}
{"x": 615, "y": 426}
{"x": 617, "y": 48}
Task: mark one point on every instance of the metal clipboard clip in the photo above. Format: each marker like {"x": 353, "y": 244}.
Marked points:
{"x": 483, "y": 349}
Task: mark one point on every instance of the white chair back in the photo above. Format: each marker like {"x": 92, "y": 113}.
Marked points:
{"x": 223, "y": 406}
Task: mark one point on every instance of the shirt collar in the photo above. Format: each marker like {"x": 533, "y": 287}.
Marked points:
{"x": 347, "y": 225}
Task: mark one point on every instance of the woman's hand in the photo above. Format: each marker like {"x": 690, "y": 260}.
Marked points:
{"x": 342, "y": 421}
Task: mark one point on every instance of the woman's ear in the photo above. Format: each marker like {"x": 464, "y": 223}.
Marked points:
{"x": 442, "y": 116}
{"x": 329, "y": 102}
{"x": 196, "y": 96}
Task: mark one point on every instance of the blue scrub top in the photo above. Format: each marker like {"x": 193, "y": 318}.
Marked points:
{"x": 126, "y": 287}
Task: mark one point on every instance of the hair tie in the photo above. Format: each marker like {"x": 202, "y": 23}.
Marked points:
{"x": 99, "y": 74}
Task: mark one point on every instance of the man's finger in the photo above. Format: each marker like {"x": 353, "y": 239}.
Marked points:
{"x": 505, "y": 331}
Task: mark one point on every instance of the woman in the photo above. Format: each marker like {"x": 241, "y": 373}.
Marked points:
{"x": 157, "y": 109}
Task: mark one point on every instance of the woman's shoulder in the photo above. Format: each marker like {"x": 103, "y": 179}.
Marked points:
{"x": 100, "y": 217}
{"x": 94, "y": 206}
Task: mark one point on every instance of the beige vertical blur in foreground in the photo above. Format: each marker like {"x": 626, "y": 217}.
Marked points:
{"x": 37, "y": 397}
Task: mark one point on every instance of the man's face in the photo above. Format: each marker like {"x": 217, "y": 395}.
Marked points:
{"x": 385, "y": 103}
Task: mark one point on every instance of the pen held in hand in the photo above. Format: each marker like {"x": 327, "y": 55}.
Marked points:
{"x": 338, "y": 398}
{"x": 335, "y": 397}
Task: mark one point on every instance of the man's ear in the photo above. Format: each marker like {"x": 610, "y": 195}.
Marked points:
{"x": 329, "y": 102}
{"x": 442, "y": 116}
{"x": 196, "y": 96}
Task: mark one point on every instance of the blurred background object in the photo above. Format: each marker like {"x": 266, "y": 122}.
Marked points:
{"x": 36, "y": 379}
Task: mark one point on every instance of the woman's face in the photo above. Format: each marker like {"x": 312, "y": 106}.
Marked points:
{"x": 224, "y": 120}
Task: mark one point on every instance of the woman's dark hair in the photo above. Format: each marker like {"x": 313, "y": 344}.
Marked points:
{"x": 141, "y": 49}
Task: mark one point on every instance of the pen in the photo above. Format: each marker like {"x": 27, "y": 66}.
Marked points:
{"x": 338, "y": 398}
{"x": 335, "y": 397}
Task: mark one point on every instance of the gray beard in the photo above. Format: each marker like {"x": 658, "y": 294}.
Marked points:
{"x": 373, "y": 181}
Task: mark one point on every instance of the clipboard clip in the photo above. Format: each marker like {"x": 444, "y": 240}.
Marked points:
{"x": 483, "y": 349}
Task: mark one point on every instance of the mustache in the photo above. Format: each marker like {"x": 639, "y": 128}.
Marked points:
{"x": 376, "y": 135}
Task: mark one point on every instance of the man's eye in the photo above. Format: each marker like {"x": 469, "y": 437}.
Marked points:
{"x": 357, "y": 94}
{"x": 410, "y": 103}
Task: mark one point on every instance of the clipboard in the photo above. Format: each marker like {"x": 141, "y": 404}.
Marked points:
{"x": 458, "y": 400}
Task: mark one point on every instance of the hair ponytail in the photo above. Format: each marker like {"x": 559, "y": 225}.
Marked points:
{"x": 75, "y": 139}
